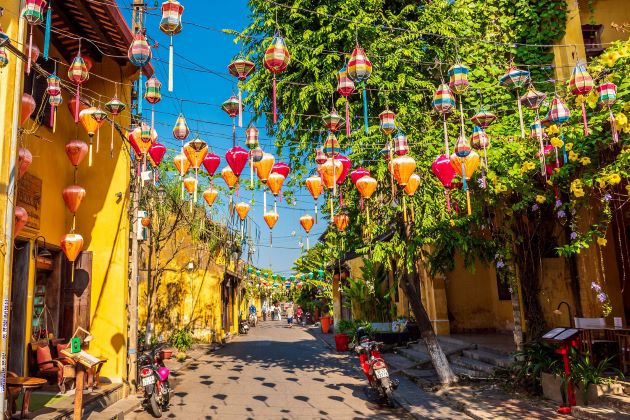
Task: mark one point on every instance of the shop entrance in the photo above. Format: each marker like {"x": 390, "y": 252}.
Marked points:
{"x": 17, "y": 320}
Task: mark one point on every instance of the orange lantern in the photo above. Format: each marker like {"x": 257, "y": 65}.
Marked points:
{"x": 275, "y": 183}
{"x": 190, "y": 183}
{"x": 25, "y": 158}
{"x": 264, "y": 166}
{"x": 228, "y": 176}
{"x": 403, "y": 167}
{"x": 271, "y": 218}
{"x": 91, "y": 120}
{"x": 366, "y": 186}
{"x": 242, "y": 209}
{"x": 73, "y": 196}
{"x": 210, "y": 195}
{"x": 146, "y": 222}
{"x": 331, "y": 172}
{"x": 28, "y": 106}
{"x": 465, "y": 167}
{"x": 341, "y": 221}
{"x": 72, "y": 245}
{"x": 307, "y": 221}
{"x": 182, "y": 164}
{"x": 315, "y": 186}
{"x": 196, "y": 151}
{"x": 412, "y": 185}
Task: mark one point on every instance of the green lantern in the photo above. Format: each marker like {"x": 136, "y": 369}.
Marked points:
{"x": 250, "y": 270}
{"x": 320, "y": 273}
{"x": 258, "y": 272}
{"x": 311, "y": 275}
{"x": 266, "y": 275}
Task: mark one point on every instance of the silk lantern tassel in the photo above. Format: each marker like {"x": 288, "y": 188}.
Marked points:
{"x": 47, "y": 31}
{"x": 365, "y": 109}
{"x": 275, "y": 108}
{"x": 170, "y": 66}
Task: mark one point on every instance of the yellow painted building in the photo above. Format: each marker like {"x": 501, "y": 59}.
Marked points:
{"x": 44, "y": 299}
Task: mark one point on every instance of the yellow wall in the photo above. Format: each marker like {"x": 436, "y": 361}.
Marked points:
{"x": 101, "y": 220}
{"x": 606, "y": 12}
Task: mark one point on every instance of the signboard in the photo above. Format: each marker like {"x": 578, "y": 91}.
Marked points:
{"x": 29, "y": 196}
{"x": 75, "y": 345}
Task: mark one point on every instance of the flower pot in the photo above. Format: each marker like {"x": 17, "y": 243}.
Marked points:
{"x": 166, "y": 354}
{"x": 551, "y": 390}
{"x": 551, "y": 387}
{"x": 326, "y": 321}
{"x": 341, "y": 342}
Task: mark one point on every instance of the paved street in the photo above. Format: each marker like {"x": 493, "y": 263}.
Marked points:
{"x": 273, "y": 372}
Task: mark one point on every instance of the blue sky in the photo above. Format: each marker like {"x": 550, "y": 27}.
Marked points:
{"x": 201, "y": 84}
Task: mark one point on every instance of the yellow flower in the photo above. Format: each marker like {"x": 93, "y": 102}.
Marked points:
{"x": 614, "y": 179}
{"x": 579, "y": 99}
{"x": 556, "y": 142}
{"x": 576, "y": 185}
{"x": 553, "y": 129}
{"x": 573, "y": 156}
{"x": 500, "y": 188}
{"x": 626, "y": 107}
{"x": 602, "y": 241}
{"x": 578, "y": 192}
{"x": 549, "y": 183}
{"x": 601, "y": 182}
{"x": 568, "y": 146}
{"x": 585, "y": 161}
{"x": 621, "y": 120}
{"x": 452, "y": 223}
{"x": 541, "y": 199}
{"x": 628, "y": 188}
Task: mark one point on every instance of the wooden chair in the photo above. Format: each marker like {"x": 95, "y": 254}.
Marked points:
{"x": 623, "y": 338}
{"x": 14, "y": 393}
{"x": 43, "y": 365}
{"x": 595, "y": 337}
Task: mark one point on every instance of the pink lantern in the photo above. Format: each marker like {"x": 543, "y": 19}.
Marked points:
{"x": 442, "y": 169}
{"x": 211, "y": 162}
{"x": 358, "y": 173}
{"x": 281, "y": 168}
{"x": 237, "y": 158}
{"x": 347, "y": 164}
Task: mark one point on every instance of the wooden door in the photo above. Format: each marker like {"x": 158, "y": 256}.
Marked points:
{"x": 17, "y": 317}
{"x": 76, "y": 296}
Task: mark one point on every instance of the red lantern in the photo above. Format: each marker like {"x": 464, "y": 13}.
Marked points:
{"x": 345, "y": 87}
{"x": 281, "y": 168}
{"x": 237, "y": 158}
{"x": 28, "y": 106}
{"x": 211, "y": 162}
{"x": 76, "y": 150}
{"x": 20, "y": 220}
{"x": 442, "y": 169}
{"x": 25, "y": 158}
{"x": 156, "y": 154}
{"x": 73, "y": 196}
{"x": 346, "y": 165}
{"x": 358, "y": 173}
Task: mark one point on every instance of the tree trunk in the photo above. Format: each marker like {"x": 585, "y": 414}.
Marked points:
{"x": 438, "y": 358}
{"x": 516, "y": 313}
{"x": 148, "y": 333}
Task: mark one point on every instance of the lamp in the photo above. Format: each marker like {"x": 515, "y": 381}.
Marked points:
{"x": 88, "y": 336}
{"x": 559, "y": 312}
{"x": 161, "y": 194}
{"x": 42, "y": 252}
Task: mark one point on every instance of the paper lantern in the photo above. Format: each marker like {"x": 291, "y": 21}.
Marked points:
{"x": 386, "y": 152}
{"x": 20, "y": 217}
{"x": 91, "y": 123}
{"x": 458, "y": 78}
{"x": 156, "y": 154}
{"x": 483, "y": 118}
{"x": 181, "y": 130}
{"x": 403, "y": 168}
{"x": 25, "y": 158}
{"x": 145, "y": 221}
{"x": 314, "y": 186}
{"x": 462, "y": 148}
{"x": 332, "y": 121}
{"x": 210, "y": 195}
{"x": 366, "y": 186}
{"x": 242, "y": 209}
{"x": 331, "y": 171}
{"x": 54, "y": 102}
{"x": 211, "y": 162}
{"x": 320, "y": 156}
{"x": 271, "y": 218}
{"x": 139, "y": 51}
{"x": 442, "y": 169}
{"x": 276, "y": 60}
{"x": 251, "y": 137}
{"x": 443, "y": 99}
{"x": 229, "y": 177}
{"x": 182, "y": 164}
{"x": 479, "y": 138}
{"x": 346, "y": 165}
{"x": 33, "y": 13}
{"x": 412, "y": 185}
{"x": 345, "y": 87}
{"x": 358, "y": 173}
{"x": 516, "y": 79}
{"x": 171, "y": 24}
{"x": 4, "y": 58}
{"x": 76, "y": 150}
{"x": 190, "y": 184}
{"x": 400, "y": 144}
{"x": 152, "y": 92}
{"x": 257, "y": 154}
{"x": 196, "y": 150}
{"x": 559, "y": 112}
{"x": 53, "y": 87}
{"x": 275, "y": 182}
{"x": 264, "y": 166}
{"x": 241, "y": 68}
{"x": 78, "y": 74}
{"x": 388, "y": 122}
{"x": 581, "y": 83}
{"x": 28, "y": 106}
{"x": 72, "y": 245}
{"x": 331, "y": 146}
{"x": 359, "y": 70}
{"x": 237, "y": 158}
{"x": 141, "y": 138}
{"x": 281, "y": 168}
{"x": 114, "y": 107}
{"x": 465, "y": 167}
{"x": 342, "y": 221}
{"x": 307, "y": 221}
{"x": 73, "y": 196}
{"x": 533, "y": 99}
{"x": 231, "y": 106}
{"x": 607, "y": 96}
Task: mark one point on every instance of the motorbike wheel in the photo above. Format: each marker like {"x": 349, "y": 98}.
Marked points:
{"x": 156, "y": 411}
{"x": 388, "y": 392}
{"x": 166, "y": 394}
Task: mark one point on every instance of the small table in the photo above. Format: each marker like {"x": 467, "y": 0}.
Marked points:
{"x": 26, "y": 384}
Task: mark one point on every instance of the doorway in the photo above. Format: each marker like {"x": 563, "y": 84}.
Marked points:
{"x": 17, "y": 319}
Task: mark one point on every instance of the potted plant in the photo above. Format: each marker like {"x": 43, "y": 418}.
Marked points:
{"x": 181, "y": 340}
{"x": 590, "y": 379}
{"x": 341, "y": 337}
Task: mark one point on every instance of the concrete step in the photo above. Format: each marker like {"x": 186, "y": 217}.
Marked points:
{"x": 93, "y": 402}
{"x": 466, "y": 372}
{"x": 398, "y": 362}
{"x": 473, "y": 364}
{"x": 490, "y": 358}
{"x": 415, "y": 354}
{"x": 616, "y": 402}
{"x": 597, "y": 412}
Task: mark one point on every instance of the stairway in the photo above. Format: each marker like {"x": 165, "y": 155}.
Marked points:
{"x": 610, "y": 407}
{"x": 467, "y": 359}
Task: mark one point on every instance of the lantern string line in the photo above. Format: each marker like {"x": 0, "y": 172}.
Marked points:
{"x": 356, "y": 23}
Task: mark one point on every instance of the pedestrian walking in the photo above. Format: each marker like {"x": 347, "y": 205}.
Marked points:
{"x": 290, "y": 315}
{"x": 265, "y": 310}
{"x": 298, "y": 314}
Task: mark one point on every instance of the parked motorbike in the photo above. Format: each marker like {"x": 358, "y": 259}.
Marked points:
{"x": 374, "y": 367}
{"x": 252, "y": 320}
{"x": 243, "y": 326}
{"x": 154, "y": 379}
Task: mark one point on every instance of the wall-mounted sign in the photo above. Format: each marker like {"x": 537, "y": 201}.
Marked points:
{"x": 29, "y": 196}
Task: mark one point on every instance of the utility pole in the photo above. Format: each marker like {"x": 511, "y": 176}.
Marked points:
{"x": 134, "y": 186}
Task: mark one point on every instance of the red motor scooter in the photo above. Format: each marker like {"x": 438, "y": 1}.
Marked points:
{"x": 374, "y": 367}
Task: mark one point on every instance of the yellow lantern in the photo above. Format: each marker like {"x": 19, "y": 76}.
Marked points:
{"x": 331, "y": 172}
{"x": 412, "y": 185}
{"x": 275, "y": 183}
{"x": 315, "y": 186}
{"x": 271, "y": 218}
{"x": 403, "y": 167}
{"x": 190, "y": 183}
{"x": 228, "y": 176}
{"x": 465, "y": 168}
{"x": 264, "y": 166}
{"x": 182, "y": 164}
{"x": 242, "y": 209}
{"x": 210, "y": 195}
{"x": 307, "y": 221}
{"x": 366, "y": 186}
